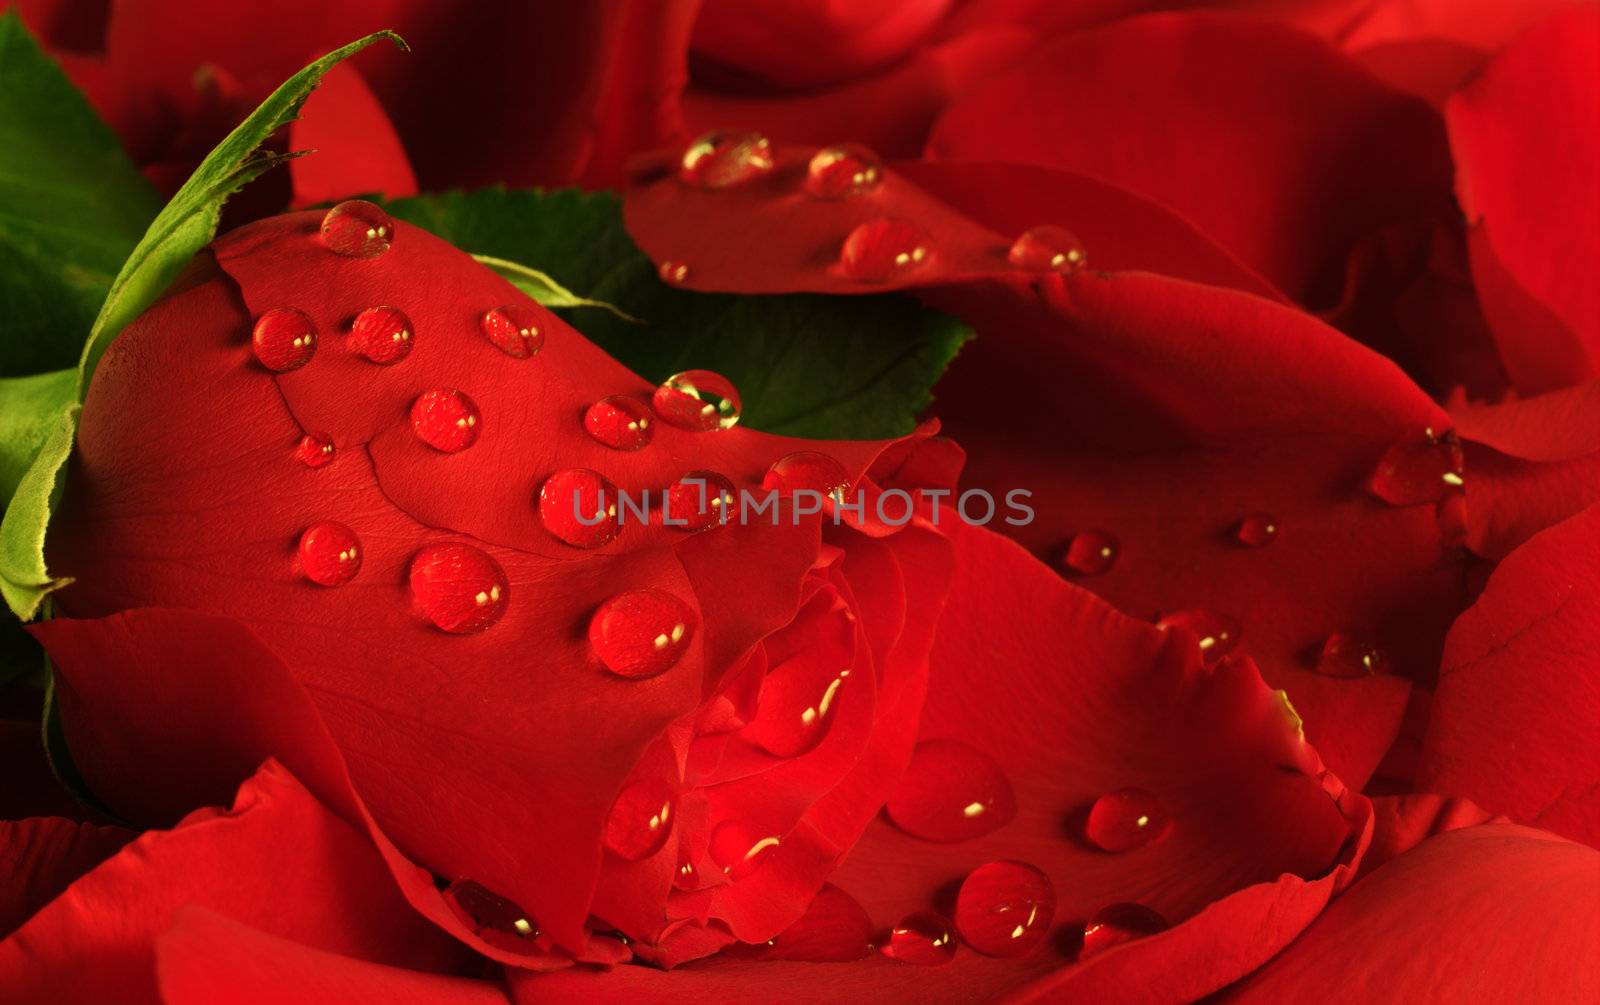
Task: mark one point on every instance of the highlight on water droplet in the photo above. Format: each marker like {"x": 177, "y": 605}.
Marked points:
{"x": 722, "y": 158}
{"x": 924, "y": 938}
{"x": 642, "y": 633}
{"x": 620, "y": 422}
{"x": 798, "y": 698}
{"x": 513, "y": 329}
{"x": 1005, "y": 908}
{"x": 641, "y": 819}
{"x": 1344, "y": 655}
{"x": 687, "y": 877}
{"x": 1217, "y": 632}
{"x": 382, "y": 334}
{"x": 457, "y": 587}
{"x": 810, "y": 471}
{"x": 1091, "y": 553}
{"x": 673, "y": 273}
{"x": 698, "y": 400}
{"x": 843, "y": 171}
{"x": 1048, "y": 249}
{"x": 1116, "y": 925}
{"x": 738, "y": 849}
{"x": 1125, "y": 820}
{"x": 330, "y": 553}
{"x": 579, "y": 507}
{"x": 1258, "y": 530}
{"x": 283, "y": 339}
{"x": 883, "y": 249}
{"x": 314, "y": 450}
{"x": 445, "y": 419}
{"x": 1419, "y": 468}
{"x": 700, "y": 500}
{"x": 491, "y": 916}
{"x": 357, "y": 228}
{"x": 951, "y": 792}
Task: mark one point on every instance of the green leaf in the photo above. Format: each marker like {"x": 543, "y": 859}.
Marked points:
{"x": 24, "y": 580}
{"x": 806, "y": 365}
{"x": 542, "y": 287}
{"x": 72, "y": 206}
{"x": 28, "y": 407}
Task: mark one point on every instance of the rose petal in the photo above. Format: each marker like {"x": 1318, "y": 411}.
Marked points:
{"x": 44, "y": 855}
{"x": 1400, "y": 823}
{"x": 356, "y": 149}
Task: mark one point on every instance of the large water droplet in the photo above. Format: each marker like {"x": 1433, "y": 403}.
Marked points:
{"x": 701, "y": 500}
{"x": 490, "y": 915}
{"x": 673, "y": 273}
{"x": 330, "y": 553}
{"x": 738, "y": 849}
{"x": 1419, "y": 469}
{"x": 459, "y": 588}
{"x": 1091, "y": 553}
{"x": 807, "y": 470}
{"x": 1258, "y": 530}
{"x": 842, "y": 171}
{"x": 579, "y": 506}
{"x": 721, "y": 158}
{"x": 951, "y": 792}
{"x": 883, "y": 249}
{"x": 1048, "y": 249}
{"x": 357, "y": 228}
{"x": 445, "y": 419}
{"x": 513, "y": 329}
{"x": 797, "y": 701}
{"x": 315, "y": 450}
{"x": 641, "y": 819}
{"x": 1218, "y": 633}
{"x": 1126, "y": 819}
{"x": 924, "y": 938}
{"x": 642, "y": 633}
{"x": 698, "y": 400}
{"x": 382, "y": 334}
{"x": 1004, "y": 908}
{"x": 1345, "y": 655}
{"x": 283, "y": 339}
{"x": 1116, "y": 925}
{"x": 619, "y": 422}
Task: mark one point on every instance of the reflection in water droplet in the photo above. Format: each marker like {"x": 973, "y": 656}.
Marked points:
{"x": 459, "y": 588}
{"x": 641, "y": 633}
{"x": 283, "y": 339}
{"x": 738, "y": 849}
{"x": 619, "y": 422}
{"x": 446, "y": 419}
{"x": 1346, "y": 656}
{"x": 1005, "y": 908}
{"x": 807, "y": 470}
{"x": 1126, "y": 819}
{"x": 884, "y": 249}
{"x": 1420, "y": 468}
{"x": 315, "y": 450}
{"x": 1048, "y": 249}
{"x": 843, "y": 171}
{"x": 382, "y": 334}
{"x": 330, "y": 553}
{"x": 673, "y": 273}
{"x": 513, "y": 329}
{"x": 357, "y": 228}
{"x": 698, "y": 400}
{"x": 1091, "y": 553}
{"x": 641, "y": 819}
{"x": 1116, "y": 925}
{"x": 1218, "y": 633}
{"x": 924, "y": 938}
{"x": 701, "y": 500}
{"x": 579, "y": 506}
{"x": 1258, "y": 530}
{"x": 492, "y": 917}
{"x": 723, "y": 157}
{"x": 951, "y": 792}
{"x": 798, "y": 698}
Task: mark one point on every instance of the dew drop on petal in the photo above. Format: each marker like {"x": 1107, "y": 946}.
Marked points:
{"x": 1091, "y": 553}
{"x": 1048, "y": 249}
{"x": 1126, "y": 819}
{"x": 283, "y": 339}
{"x": 673, "y": 273}
{"x": 1258, "y": 530}
{"x": 357, "y": 228}
{"x": 722, "y": 158}
{"x": 459, "y": 588}
{"x": 619, "y": 422}
{"x": 315, "y": 450}
{"x": 1116, "y": 925}
{"x": 843, "y": 171}
{"x": 738, "y": 849}
{"x": 951, "y": 792}
{"x": 330, "y": 553}
{"x": 1217, "y": 632}
{"x": 579, "y": 506}
{"x": 1419, "y": 468}
{"x": 807, "y": 470}
{"x": 485, "y": 911}
{"x": 697, "y": 400}
{"x": 641, "y": 819}
{"x": 883, "y": 249}
{"x": 382, "y": 334}
{"x": 687, "y": 877}
{"x": 798, "y": 699}
{"x": 1005, "y": 908}
{"x": 642, "y": 633}
{"x": 700, "y": 500}
{"x": 513, "y": 329}
{"x": 1344, "y": 655}
{"x": 924, "y": 938}
{"x": 446, "y": 419}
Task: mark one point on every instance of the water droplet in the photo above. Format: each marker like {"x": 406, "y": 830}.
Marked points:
{"x": 642, "y": 633}
{"x": 1346, "y": 656}
{"x": 882, "y": 249}
{"x": 809, "y": 471}
{"x": 357, "y": 228}
{"x": 315, "y": 450}
{"x": 641, "y": 819}
{"x": 382, "y": 334}
{"x": 721, "y": 158}
{"x": 284, "y": 339}
{"x": 687, "y": 877}
{"x": 1048, "y": 249}
{"x": 1419, "y": 469}
{"x": 842, "y": 171}
{"x": 1004, "y": 908}
{"x": 446, "y": 419}
{"x": 579, "y": 506}
{"x": 701, "y": 500}
{"x": 330, "y": 553}
{"x": 1218, "y": 633}
{"x": 459, "y": 588}
{"x": 513, "y": 329}
{"x": 738, "y": 849}
{"x": 1258, "y": 530}
{"x": 698, "y": 400}
{"x": 924, "y": 938}
{"x": 951, "y": 792}
{"x": 1091, "y": 553}
{"x": 619, "y": 422}
{"x": 1125, "y": 820}
{"x": 488, "y": 913}
{"x": 1116, "y": 925}
{"x": 673, "y": 273}
{"x": 796, "y": 706}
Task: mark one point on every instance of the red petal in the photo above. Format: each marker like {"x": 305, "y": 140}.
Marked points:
{"x": 43, "y": 855}
{"x": 1400, "y": 823}
{"x": 356, "y": 149}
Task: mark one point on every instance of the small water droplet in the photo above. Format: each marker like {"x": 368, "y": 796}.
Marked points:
{"x": 382, "y": 334}
{"x": 1116, "y": 925}
{"x": 641, "y": 819}
{"x": 1344, "y": 655}
{"x": 330, "y": 553}
{"x": 283, "y": 339}
{"x": 1218, "y": 633}
{"x": 843, "y": 171}
{"x": 924, "y": 938}
{"x": 579, "y": 506}
{"x": 951, "y": 792}
{"x": 459, "y": 588}
{"x": 738, "y": 849}
{"x": 1048, "y": 249}
{"x": 513, "y": 329}
{"x": 701, "y": 500}
{"x": 1126, "y": 819}
{"x": 357, "y": 228}
{"x": 315, "y": 450}
{"x": 722, "y": 157}
{"x": 642, "y": 633}
{"x": 1005, "y": 908}
{"x": 446, "y": 419}
{"x": 620, "y": 422}
{"x": 1091, "y": 553}
{"x": 1419, "y": 468}
{"x": 796, "y": 707}
{"x": 673, "y": 273}
{"x": 698, "y": 400}
{"x": 809, "y": 471}
{"x": 487, "y": 913}
{"x": 1258, "y": 530}
{"x": 687, "y": 877}
{"x": 883, "y": 249}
